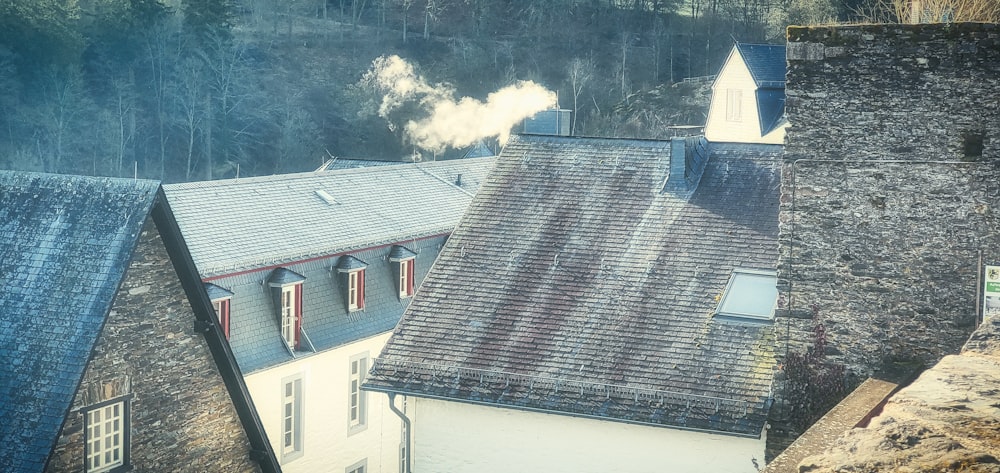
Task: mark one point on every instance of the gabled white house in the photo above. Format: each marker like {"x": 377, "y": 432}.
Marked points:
{"x": 309, "y": 272}
{"x": 605, "y": 305}
{"x": 748, "y": 97}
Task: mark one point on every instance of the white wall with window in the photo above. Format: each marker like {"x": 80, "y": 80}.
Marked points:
{"x": 466, "y": 438}
{"x": 334, "y": 428}
{"x": 732, "y": 114}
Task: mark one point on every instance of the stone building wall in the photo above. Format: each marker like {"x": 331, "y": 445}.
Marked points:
{"x": 182, "y": 418}
{"x": 890, "y": 189}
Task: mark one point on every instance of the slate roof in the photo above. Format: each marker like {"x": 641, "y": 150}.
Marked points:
{"x": 242, "y": 224}
{"x": 766, "y": 63}
{"x": 337, "y": 164}
{"x": 65, "y": 244}
{"x": 575, "y": 284}
{"x": 238, "y": 232}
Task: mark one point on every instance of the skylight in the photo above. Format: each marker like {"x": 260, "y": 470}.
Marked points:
{"x": 750, "y": 294}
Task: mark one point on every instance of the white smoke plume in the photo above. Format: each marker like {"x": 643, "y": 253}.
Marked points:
{"x": 444, "y": 121}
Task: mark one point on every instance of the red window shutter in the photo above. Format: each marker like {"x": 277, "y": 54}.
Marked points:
{"x": 361, "y": 289}
{"x": 224, "y": 317}
{"x": 409, "y": 277}
{"x": 298, "y": 314}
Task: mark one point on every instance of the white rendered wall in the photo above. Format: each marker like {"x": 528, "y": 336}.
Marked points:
{"x": 465, "y": 438}
{"x": 327, "y": 444}
{"x": 718, "y": 129}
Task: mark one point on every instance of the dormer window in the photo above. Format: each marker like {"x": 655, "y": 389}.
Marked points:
{"x": 352, "y": 275}
{"x": 402, "y": 260}
{"x": 750, "y": 294}
{"x": 221, "y": 302}
{"x": 286, "y": 293}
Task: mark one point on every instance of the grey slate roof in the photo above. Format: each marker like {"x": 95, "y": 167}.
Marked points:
{"x": 242, "y": 224}
{"x": 766, "y": 63}
{"x": 337, "y": 164}
{"x": 65, "y": 244}
{"x": 576, "y": 285}
{"x": 237, "y": 240}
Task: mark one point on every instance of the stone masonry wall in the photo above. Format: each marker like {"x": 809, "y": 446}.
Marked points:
{"x": 890, "y": 188}
{"x": 182, "y": 418}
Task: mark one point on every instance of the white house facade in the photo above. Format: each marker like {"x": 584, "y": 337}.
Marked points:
{"x": 450, "y": 436}
{"x": 309, "y": 273}
{"x": 748, "y": 97}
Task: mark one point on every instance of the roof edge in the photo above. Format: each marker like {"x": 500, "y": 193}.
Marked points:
{"x": 261, "y": 451}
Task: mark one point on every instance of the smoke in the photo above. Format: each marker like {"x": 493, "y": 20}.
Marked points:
{"x": 435, "y": 120}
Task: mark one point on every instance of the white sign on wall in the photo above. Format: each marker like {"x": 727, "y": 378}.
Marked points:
{"x": 991, "y": 292}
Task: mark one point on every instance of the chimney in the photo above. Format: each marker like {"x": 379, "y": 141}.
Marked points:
{"x": 554, "y": 121}
{"x": 687, "y": 162}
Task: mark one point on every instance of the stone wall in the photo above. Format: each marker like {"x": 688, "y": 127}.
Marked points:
{"x": 182, "y": 418}
{"x": 890, "y": 188}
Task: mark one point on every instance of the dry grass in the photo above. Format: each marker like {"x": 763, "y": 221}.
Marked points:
{"x": 930, "y": 11}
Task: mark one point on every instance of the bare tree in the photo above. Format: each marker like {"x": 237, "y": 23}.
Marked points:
{"x": 580, "y": 72}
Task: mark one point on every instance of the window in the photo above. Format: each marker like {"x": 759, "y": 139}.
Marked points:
{"x": 221, "y": 301}
{"x": 107, "y": 437}
{"x": 750, "y": 294}
{"x": 286, "y": 293}
{"x": 357, "y": 399}
{"x": 352, "y": 274}
{"x": 734, "y": 103}
{"x": 222, "y": 311}
{"x": 359, "y": 467}
{"x": 405, "y": 278}
{"x": 291, "y": 418}
{"x": 291, "y": 320}
{"x": 356, "y": 290}
{"x": 403, "y": 260}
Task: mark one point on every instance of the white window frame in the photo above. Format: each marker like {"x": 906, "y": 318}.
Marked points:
{"x": 359, "y": 467}
{"x": 357, "y": 399}
{"x": 734, "y": 105}
{"x": 404, "y": 277}
{"x": 354, "y": 295}
{"x": 291, "y": 441}
{"x": 106, "y": 428}
{"x": 288, "y": 314}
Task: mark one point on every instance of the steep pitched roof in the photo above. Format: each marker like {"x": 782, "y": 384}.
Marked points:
{"x": 575, "y": 284}
{"x": 319, "y": 213}
{"x": 65, "y": 244}
{"x": 239, "y": 230}
{"x": 766, "y": 63}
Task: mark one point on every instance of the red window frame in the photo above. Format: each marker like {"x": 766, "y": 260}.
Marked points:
{"x": 356, "y": 287}
{"x": 221, "y": 307}
{"x": 405, "y": 284}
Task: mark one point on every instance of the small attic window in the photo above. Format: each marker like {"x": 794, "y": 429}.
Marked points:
{"x": 750, "y": 294}
{"x": 221, "y": 302}
{"x": 403, "y": 260}
{"x": 286, "y": 293}
{"x": 352, "y": 280}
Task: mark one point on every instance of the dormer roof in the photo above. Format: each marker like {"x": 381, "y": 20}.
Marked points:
{"x": 766, "y": 63}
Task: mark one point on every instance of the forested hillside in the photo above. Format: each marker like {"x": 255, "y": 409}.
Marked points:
{"x": 200, "y": 89}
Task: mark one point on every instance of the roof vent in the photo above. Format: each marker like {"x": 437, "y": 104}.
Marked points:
{"x": 326, "y": 197}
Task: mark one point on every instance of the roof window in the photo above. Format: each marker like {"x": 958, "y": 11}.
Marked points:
{"x": 286, "y": 294}
{"x": 352, "y": 280}
{"x": 750, "y": 294}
